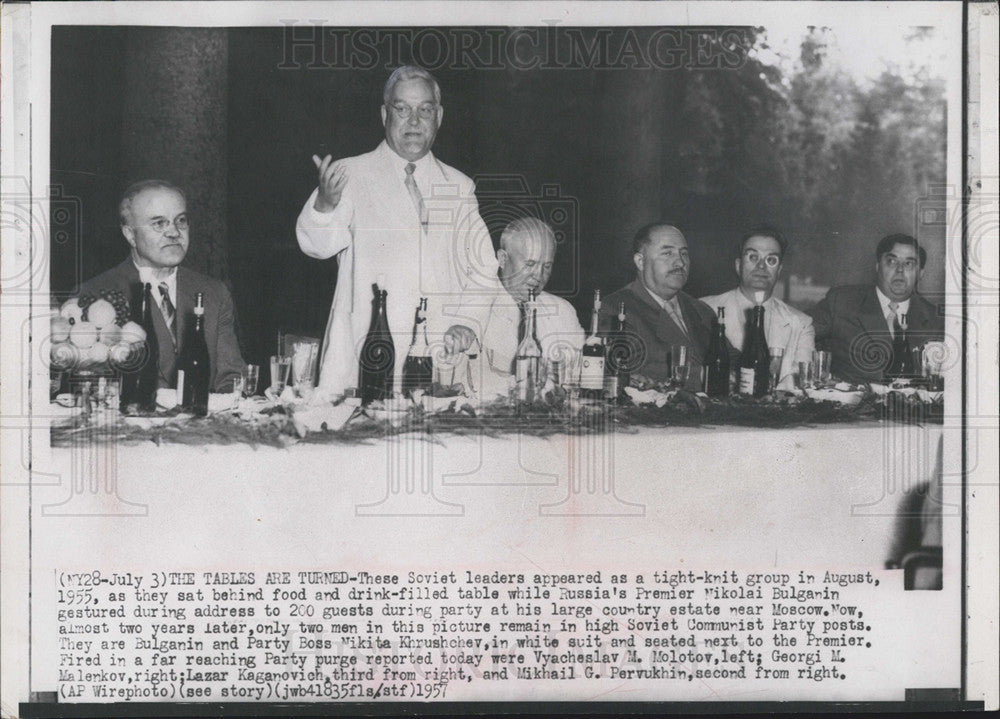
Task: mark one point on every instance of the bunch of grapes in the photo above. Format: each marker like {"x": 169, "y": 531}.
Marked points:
{"x": 117, "y": 299}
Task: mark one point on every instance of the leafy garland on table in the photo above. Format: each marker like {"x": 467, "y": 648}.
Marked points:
{"x": 273, "y": 428}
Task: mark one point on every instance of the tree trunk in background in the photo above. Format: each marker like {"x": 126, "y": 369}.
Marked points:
{"x": 175, "y": 100}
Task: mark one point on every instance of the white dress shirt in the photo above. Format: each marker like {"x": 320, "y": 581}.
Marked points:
{"x": 146, "y": 275}
{"x": 901, "y": 309}
{"x": 784, "y": 326}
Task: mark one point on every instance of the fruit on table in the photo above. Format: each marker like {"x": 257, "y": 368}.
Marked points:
{"x": 101, "y": 313}
{"x": 83, "y": 334}
{"x": 64, "y": 355}
{"x": 98, "y": 353}
{"x": 71, "y": 311}
{"x": 133, "y": 332}
{"x": 119, "y": 354}
{"x": 59, "y": 329}
{"x": 110, "y": 335}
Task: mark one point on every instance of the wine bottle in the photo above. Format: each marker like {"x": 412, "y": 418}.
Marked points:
{"x": 528, "y": 357}
{"x": 378, "y": 355}
{"x": 755, "y": 362}
{"x": 901, "y": 363}
{"x": 717, "y": 359}
{"x": 193, "y": 368}
{"x": 418, "y": 370}
{"x": 592, "y": 367}
{"x": 618, "y": 359}
{"x": 141, "y": 380}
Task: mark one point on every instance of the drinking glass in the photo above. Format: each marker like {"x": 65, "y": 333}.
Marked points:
{"x": 304, "y": 363}
{"x": 251, "y": 376}
{"x": 777, "y": 356}
{"x": 803, "y": 377}
{"x": 680, "y": 368}
{"x": 281, "y": 365}
{"x": 238, "y": 384}
{"x": 821, "y": 367}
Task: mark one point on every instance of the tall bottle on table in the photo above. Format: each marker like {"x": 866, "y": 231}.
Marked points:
{"x": 592, "y": 367}
{"x": 716, "y": 378}
{"x": 618, "y": 359}
{"x": 755, "y": 362}
{"x": 193, "y": 367}
{"x": 141, "y": 380}
{"x": 528, "y": 358}
{"x": 901, "y": 363}
{"x": 378, "y": 354}
{"x": 418, "y": 369}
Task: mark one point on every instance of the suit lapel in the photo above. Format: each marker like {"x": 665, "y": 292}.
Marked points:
{"x": 664, "y": 327}
{"x": 870, "y": 316}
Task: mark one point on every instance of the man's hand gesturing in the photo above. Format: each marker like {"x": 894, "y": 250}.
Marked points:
{"x": 332, "y": 180}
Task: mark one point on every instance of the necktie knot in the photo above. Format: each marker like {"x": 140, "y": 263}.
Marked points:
{"x": 893, "y": 306}
{"x": 410, "y": 168}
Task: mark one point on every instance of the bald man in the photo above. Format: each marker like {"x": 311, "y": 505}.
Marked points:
{"x": 657, "y": 309}
{"x": 527, "y": 251}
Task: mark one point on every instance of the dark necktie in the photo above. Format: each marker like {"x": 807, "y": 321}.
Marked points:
{"x": 522, "y": 324}
{"x": 168, "y": 311}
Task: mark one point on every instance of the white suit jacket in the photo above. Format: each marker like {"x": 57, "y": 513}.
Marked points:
{"x": 784, "y": 326}
{"x": 376, "y": 234}
{"x": 556, "y": 327}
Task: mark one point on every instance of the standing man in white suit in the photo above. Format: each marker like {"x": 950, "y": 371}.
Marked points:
{"x": 399, "y": 217}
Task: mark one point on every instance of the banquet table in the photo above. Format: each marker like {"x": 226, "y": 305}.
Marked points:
{"x": 833, "y": 496}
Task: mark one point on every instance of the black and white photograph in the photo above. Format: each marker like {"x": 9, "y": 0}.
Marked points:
{"x": 498, "y": 357}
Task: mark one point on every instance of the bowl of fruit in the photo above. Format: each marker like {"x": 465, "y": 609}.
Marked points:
{"x": 92, "y": 336}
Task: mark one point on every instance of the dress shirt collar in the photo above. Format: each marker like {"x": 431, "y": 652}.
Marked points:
{"x": 672, "y": 302}
{"x": 146, "y": 275}
{"x": 902, "y": 309}
{"x": 420, "y": 174}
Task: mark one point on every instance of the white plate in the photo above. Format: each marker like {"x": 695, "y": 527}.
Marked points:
{"x": 835, "y": 395}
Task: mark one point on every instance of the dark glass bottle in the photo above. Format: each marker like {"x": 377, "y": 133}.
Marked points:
{"x": 618, "y": 359}
{"x": 378, "y": 354}
{"x": 418, "y": 369}
{"x": 193, "y": 369}
{"x": 901, "y": 362}
{"x": 717, "y": 360}
{"x": 139, "y": 385}
{"x": 593, "y": 361}
{"x": 755, "y": 362}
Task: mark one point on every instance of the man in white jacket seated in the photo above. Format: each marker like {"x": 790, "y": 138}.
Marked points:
{"x": 527, "y": 251}
{"x": 758, "y": 266}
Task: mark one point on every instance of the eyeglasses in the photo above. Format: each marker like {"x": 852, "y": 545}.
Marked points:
{"x": 405, "y": 112}
{"x": 753, "y": 257}
{"x": 162, "y": 224}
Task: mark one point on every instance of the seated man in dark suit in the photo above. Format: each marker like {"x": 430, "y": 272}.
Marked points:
{"x": 657, "y": 311}
{"x": 155, "y": 225}
{"x": 857, "y": 323}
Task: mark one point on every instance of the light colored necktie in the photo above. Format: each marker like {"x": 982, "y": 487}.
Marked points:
{"x": 168, "y": 311}
{"x": 418, "y": 199}
{"x": 893, "y": 318}
{"x": 674, "y": 310}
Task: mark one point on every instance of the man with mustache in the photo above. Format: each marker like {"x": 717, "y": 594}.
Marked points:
{"x": 759, "y": 258}
{"x": 154, "y": 222}
{"x": 857, "y": 323}
{"x": 400, "y": 218}
{"x": 658, "y": 312}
